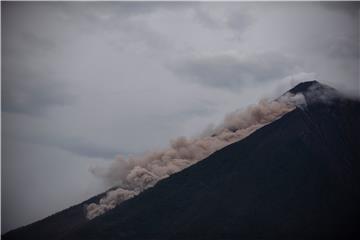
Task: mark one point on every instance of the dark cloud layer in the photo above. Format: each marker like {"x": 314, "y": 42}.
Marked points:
{"x": 76, "y": 146}
{"x": 30, "y": 93}
{"x": 236, "y": 21}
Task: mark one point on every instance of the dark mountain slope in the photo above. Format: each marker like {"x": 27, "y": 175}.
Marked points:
{"x": 54, "y": 226}
{"x": 296, "y": 178}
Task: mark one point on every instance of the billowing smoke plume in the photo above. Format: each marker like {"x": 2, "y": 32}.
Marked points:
{"x": 135, "y": 174}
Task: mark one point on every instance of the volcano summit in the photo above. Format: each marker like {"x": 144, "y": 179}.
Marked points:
{"x": 297, "y": 177}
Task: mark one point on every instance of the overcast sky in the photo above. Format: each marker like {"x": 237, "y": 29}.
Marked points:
{"x": 83, "y": 82}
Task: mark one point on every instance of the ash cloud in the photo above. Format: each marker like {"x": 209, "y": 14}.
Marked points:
{"x": 135, "y": 174}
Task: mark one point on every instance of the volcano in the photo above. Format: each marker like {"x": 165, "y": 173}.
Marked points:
{"x": 295, "y": 178}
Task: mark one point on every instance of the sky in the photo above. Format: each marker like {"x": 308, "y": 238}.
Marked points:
{"x": 83, "y": 82}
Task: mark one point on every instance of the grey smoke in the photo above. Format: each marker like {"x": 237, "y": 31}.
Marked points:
{"x": 135, "y": 174}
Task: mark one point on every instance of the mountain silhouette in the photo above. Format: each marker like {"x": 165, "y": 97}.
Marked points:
{"x": 295, "y": 178}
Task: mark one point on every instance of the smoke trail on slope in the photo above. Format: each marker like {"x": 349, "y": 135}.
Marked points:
{"x": 136, "y": 174}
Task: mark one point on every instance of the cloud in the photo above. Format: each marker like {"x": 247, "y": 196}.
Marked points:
{"x": 80, "y": 147}
{"x": 350, "y": 8}
{"x": 31, "y": 84}
{"x": 32, "y": 93}
{"x": 37, "y": 35}
{"x": 239, "y": 22}
{"x": 214, "y": 16}
{"x": 30, "y": 129}
{"x": 232, "y": 71}
{"x": 344, "y": 46}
